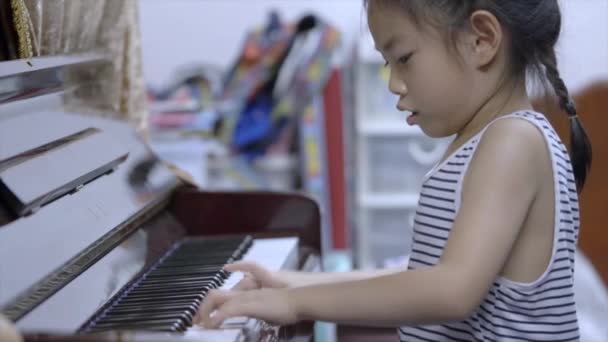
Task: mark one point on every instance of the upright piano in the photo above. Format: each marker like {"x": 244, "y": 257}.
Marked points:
{"x": 101, "y": 241}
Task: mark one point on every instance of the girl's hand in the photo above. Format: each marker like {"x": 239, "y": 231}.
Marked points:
{"x": 271, "y": 305}
{"x": 8, "y": 332}
{"x": 255, "y": 277}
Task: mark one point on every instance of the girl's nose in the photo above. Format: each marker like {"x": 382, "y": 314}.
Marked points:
{"x": 397, "y": 86}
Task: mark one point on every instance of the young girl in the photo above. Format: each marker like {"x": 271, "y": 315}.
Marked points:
{"x": 497, "y": 223}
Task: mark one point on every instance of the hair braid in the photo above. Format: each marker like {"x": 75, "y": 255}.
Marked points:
{"x": 580, "y": 146}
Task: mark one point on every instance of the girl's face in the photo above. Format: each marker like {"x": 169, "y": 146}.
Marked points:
{"x": 438, "y": 84}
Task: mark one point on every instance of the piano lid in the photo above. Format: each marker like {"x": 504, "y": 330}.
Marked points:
{"x": 66, "y": 157}
{"x": 26, "y": 78}
{"x": 60, "y": 198}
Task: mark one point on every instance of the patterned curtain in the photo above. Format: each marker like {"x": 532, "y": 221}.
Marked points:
{"x": 108, "y": 27}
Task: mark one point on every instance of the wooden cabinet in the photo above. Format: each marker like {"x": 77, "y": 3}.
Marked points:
{"x": 592, "y": 105}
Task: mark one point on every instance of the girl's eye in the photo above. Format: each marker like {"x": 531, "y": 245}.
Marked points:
{"x": 404, "y": 59}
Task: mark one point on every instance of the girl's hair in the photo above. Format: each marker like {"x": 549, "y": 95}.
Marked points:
{"x": 534, "y": 27}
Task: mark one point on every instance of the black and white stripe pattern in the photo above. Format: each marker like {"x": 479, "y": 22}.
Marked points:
{"x": 541, "y": 311}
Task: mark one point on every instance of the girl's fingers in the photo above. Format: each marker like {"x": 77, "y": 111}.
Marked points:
{"x": 246, "y": 284}
{"x": 213, "y": 300}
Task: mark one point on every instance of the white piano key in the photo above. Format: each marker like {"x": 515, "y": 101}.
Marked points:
{"x": 273, "y": 254}
{"x": 219, "y": 335}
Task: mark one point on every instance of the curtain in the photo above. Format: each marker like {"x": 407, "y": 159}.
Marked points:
{"x": 107, "y": 27}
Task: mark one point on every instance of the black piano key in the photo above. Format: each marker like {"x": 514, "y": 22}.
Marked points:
{"x": 167, "y": 294}
{"x": 155, "y": 277}
{"x": 213, "y": 261}
{"x": 214, "y": 243}
{"x": 212, "y": 284}
{"x": 218, "y": 269}
{"x": 147, "y": 328}
{"x": 158, "y": 325}
{"x": 140, "y": 316}
{"x": 195, "y": 261}
{"x": 148, "y": 304}
{"x": 168, "y": 306}
{"x": 201, "y": 285}
{"x": 184, "y": 317}
{"x": 176, "y": 275}
{"x": 168, "y": 297}
{"x": 177, "y": 280}
{"x": 179, "y": 273}
{"x": 220, "y": 250}
{"x": 156, "y": 308}
{"x": 176, "y": 286}
{"x": 193, "y": 249}
{"x": 208, "y": 253}
{"x": 151, "y": 305}
{"x": 169, "y": 321}
{"x": 200, "y": 288}
{"x": 162, "y": 301}
{"x": 215, "y": 271}
{"x": 191, "y": 263}
{"x": 201, "y": 268}
{"x": 180, "y": 280}
{"x": 173, "y": 285}
{"x": 177, "y": 296}
{"x": 209, "y": 244}
{"x": 211, "y": 251}
{"x": 163, "y": 292}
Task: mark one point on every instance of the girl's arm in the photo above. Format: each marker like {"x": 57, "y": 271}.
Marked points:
{"x": 257, "y": 277}
{"x": 300, "y": 279}
{"x": 501, "y": 184}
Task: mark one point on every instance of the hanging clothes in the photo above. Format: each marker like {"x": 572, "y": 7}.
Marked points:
{"x": 279, "y": 71}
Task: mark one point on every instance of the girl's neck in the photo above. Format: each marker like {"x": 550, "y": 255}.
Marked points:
{"x": 509, "y": 98}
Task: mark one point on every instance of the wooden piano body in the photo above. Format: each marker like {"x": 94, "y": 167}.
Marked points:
{"x": 86, "y": 210}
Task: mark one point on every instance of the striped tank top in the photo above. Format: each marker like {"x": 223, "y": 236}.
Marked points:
{"x": 540, "y": 311}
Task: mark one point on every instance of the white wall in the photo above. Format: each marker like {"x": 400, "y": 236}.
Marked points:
{"x": 583, "y": 48}
{"x": 180, "y": 31}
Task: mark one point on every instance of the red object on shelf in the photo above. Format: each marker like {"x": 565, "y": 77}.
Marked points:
{"x": 334, "y": 135}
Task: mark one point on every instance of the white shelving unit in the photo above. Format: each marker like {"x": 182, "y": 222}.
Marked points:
{"x": 392, "y": 159}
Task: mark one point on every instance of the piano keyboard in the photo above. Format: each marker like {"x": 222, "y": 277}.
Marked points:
{"x": 284, "y": 254}
{"x": 167, "y": 297}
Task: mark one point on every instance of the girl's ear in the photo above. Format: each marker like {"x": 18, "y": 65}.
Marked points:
{"x": 484, "y": 38}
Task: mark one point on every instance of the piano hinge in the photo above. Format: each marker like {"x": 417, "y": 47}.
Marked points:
{"x": 52, "y": 283}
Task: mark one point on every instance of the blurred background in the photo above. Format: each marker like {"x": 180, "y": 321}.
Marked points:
{"x": 290, "y": 95}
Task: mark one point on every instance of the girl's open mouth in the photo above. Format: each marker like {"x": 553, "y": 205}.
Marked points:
{"x": 411, "y": 119}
